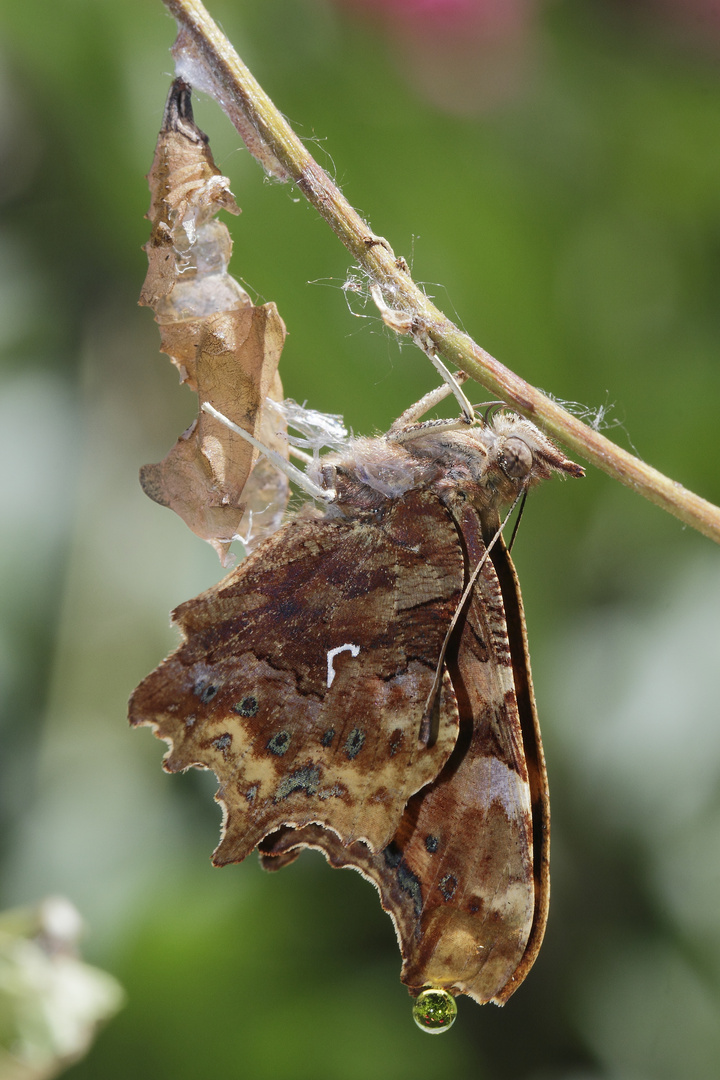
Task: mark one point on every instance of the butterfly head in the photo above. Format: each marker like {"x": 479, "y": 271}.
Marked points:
{"x": 494, "y": 463}
{"x": 519, "y": 451}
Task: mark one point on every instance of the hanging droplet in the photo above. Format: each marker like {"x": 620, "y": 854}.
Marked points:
{"x": 434, "y": 1010}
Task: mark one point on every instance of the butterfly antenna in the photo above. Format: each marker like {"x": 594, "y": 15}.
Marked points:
{"x": 490, "y": 409}
{"x": 518, "y": 519}
{"x": 430, "y": 719}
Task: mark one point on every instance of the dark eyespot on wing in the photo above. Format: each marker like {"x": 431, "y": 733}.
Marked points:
{"x": 448, "y": 886}
{"x": 279, "y": 743}
{"x": 407, "y": 881}
{"x": 354, "y": 742}
{"x": 205, "y": 690}
{"x": 248, "y": 706}
{"x": 305, "y": 779}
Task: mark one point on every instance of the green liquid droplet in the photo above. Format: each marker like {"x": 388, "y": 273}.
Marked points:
{"x": 434, "y": 1010}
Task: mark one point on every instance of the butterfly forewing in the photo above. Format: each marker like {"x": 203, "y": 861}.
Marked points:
{"x": 303, "y": 698}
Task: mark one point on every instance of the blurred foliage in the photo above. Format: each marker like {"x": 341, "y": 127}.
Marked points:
{"x": 50, "y": 1001}
{"x": 575, "y": 230}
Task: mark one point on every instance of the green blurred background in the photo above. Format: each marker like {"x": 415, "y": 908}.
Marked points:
{"x": 555, "y": 185}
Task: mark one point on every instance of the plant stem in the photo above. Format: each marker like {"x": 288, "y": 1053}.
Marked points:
{"x": 208, "y": 61}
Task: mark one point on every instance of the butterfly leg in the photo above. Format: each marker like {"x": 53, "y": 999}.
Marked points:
{"x": 403, "y": 323}
{"x": 428, "y": 427}
{"x": 426, "y": 403}
{"x": 424, "y": 342}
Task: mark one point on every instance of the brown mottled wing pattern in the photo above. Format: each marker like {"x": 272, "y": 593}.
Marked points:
{"x": 458, "y": 876}
{"x": 304, "y": 674}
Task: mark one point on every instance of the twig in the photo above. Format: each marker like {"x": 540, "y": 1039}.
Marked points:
{"x": 208, "y": 61}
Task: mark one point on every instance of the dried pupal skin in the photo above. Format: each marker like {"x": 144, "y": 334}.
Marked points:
{"x": 225, "y": 349}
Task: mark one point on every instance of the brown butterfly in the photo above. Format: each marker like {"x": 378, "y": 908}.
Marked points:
{"x": 360, "y": 684}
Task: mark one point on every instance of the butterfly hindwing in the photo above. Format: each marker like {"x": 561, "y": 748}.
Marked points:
{"x": 457, "y": 877}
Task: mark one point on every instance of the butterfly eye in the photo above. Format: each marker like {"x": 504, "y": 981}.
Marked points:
{"x": 516, "y": 460}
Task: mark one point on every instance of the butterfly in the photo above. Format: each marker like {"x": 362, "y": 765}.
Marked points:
{"x": 360, "y": 684}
